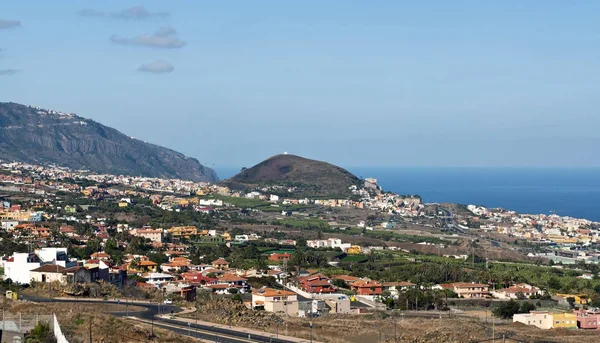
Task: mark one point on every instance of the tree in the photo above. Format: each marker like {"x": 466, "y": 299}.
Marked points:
{"x": 41, "y": 333}
{"x": 158, "y": 258}
{"x": 338, "y": 283}
{"x": 526, "y": 307}
{"x": 301, "y": 243}
{"x": 320, "y": 234}
{"x": 261, "y": 264}
{"x": 571, "y": 301}
{"x": 553, "y": 283}
{"x": 507, "y": 309}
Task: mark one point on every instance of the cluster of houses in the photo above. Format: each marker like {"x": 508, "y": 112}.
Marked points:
{"x": 177, "y": 276}
{"x": 582, "y": 319}
{"x": 335, "y": 243}
{"x": 561, "y": 232}
{"x": 54, "y": 265}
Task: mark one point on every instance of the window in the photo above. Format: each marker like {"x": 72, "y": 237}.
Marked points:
{"x": 558, "y": 322}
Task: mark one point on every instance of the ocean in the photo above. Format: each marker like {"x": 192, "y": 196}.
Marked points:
{"x": 571, "y": 192}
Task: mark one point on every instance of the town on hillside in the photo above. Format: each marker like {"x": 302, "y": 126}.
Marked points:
{"x": 234, "y": 255}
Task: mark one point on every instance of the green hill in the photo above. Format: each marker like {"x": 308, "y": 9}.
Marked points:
{"x": 307, "y": 177}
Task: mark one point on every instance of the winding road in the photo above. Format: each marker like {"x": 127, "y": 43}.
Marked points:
{"x": 152, "y": 316}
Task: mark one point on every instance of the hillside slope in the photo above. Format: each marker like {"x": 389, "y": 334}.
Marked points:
{"x": 310, "y": 177}
{"x": 34, "y": 135}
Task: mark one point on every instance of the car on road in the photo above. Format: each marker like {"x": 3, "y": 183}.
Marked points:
{"x": 168, "y": 301}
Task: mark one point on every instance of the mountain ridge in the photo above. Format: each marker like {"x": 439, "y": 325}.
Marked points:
{"x": 35, "y": 135}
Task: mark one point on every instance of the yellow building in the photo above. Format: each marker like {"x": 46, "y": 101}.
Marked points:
{"x": 354, "y": 250}
{"x": 578, "y": 299}
{"x": 185, "y": 231}
{"x": 227, "y": 236}
{"x": 17, "y": 216}
{"x": 141, "y": 266}
{"x": 564, "y": 321}
{"x": 123, "y": 204}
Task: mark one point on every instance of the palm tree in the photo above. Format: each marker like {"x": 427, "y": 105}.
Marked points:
{"x": 391, "y": 259}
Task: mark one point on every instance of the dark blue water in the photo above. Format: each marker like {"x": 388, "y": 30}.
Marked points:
{"x": 567, "y": 192}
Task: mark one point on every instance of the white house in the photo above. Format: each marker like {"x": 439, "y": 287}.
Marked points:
{"x": 210, "y": 202}
{"x": 252, "y": 195}
{"x": 328, "y": 243}
{"x": 542, "y": 320}
{"x": 49, "y": 273}
{"x": 19, "y": 265}
{"x": 516, "y": 292}
{"x": 157, "y": 278}
{"x": 9, "y": 225}
{"x": 241, "y": 238}
{"x": 276, "y": 301}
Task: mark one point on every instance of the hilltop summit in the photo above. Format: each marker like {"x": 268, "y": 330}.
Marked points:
{"x": 40, "y": 136}
{"x": 308, "y": 177}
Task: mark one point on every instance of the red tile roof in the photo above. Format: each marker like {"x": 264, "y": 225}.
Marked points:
{"x": 50, "y": 268}
{"x": 219, "y": 262}
{"x": 366, "y": 283}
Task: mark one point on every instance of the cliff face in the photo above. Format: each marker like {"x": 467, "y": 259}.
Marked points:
{"x": 309, "y": 177}
{"x": 39, "y": 136}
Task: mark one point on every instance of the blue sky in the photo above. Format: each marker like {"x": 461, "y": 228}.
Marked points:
{"x": 356, "y": 83}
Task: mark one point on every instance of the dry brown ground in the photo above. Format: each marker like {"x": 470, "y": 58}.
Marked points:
{"x": 75, "y": 319}
{"x": 369, "y": 328}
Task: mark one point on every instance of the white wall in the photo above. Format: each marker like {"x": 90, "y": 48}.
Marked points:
{"x": 18, "y": 270}
{"x": 50, "y": 277}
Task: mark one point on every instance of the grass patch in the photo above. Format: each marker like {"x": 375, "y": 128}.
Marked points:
{"x": 355, "y": 258}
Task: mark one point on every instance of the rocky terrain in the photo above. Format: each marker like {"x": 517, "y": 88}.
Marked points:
{"x": 39, "y": 136}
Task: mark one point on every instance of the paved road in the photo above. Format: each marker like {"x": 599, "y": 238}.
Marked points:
{"x": 448, "y": 221}
{"x": 149, "y": 315}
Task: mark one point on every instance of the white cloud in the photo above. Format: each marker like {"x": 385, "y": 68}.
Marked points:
{"x": 157, "y": 67}
{"x": 9, "y": 24}
{"x": 90, "y": 12}
{"x": 138, "y": 13}
{"x": 164, "y": 38}
{"x": 9, "y": 71}
{"x": 132, "y": 13}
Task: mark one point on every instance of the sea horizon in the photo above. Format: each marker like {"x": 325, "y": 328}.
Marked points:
{"x": 573, "y": 192}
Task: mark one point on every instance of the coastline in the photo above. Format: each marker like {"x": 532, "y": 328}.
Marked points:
{"x": 573, "y": 192}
